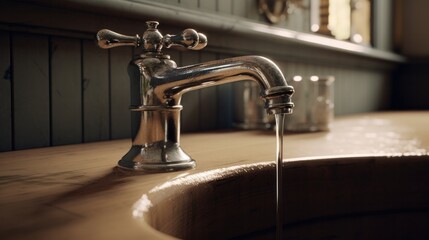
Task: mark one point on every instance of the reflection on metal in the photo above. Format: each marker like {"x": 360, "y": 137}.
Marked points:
{"x": 157, "y": 86}
{"x": 277, "y": 10}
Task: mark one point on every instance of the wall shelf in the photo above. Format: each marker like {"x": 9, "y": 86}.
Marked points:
{"x": 220, "y": 25}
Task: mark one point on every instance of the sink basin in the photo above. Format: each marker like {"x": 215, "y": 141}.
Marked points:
{"x": 357, "y": 197}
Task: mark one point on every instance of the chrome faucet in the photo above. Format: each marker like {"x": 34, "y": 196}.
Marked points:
{"x": 157, "y": 86}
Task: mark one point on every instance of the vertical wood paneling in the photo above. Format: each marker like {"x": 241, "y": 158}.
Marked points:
{"x": 239, "y": 8}
{"x": 192, "y": 4}
{"x": 174, "y": 54}
{"x": 208, "y": 100}
{"x": 120, "y": 93}
{"x": 349, "y": 88}
{"x": 283, "y": 67}
{"x": 209, "y": 6}
{"x": 252, "y": 11}
{"x": 31, "y": 91}
{"x": 357, "y": 92}
{"x": 379, "y": 91}
{"x": 190, "y": 100}
{"x": 362, "y": 88}
{"x": 305, "y": 17}
{"x": 370, "y": 85}
{"x": 224, "y": 6}
{"x": 386, "y": 89}
{"x": 95, "y": 84}
{"x": 5, "y": 94}
{"x": 81, "y": 93}
{"x": 225, "y": 103}
{"x": 296, "y": 20}
{"x": 339, "y": 91}
{"x": 66, "y": 91}
{"x": 171, "y": 2}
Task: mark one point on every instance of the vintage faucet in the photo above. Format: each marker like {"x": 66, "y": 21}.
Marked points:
{"x": 157, "y": 86}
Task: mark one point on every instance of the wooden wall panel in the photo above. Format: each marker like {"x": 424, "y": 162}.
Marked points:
{"x": 5, "y": 93}
{"x": 192, "y": 4}
{"x": 171, "y": 2}
{"x": 239, "y": 8}
{"x": 31, "y": 90}
{"x": 224, "y": 6}
{"x": 209, "y": 6}
{"x": 225, "y": 103}
{"x": 252, "y": 11}
{"x": 190, "y": 100}
{"x": 339, "y": 91}
{"x": 208, "y": 100}
{"x": 96, "y": 124}
{"x": 66, "y": 91}
{"x": 120, "y": 93}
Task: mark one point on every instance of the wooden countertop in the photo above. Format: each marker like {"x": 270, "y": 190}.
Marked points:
{"x": 76, "y": 192}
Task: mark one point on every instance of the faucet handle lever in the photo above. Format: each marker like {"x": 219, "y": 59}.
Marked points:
{"x": 189, "y": 39}
{"x": 152, "y": 40}
{"x": 108, "y": 39}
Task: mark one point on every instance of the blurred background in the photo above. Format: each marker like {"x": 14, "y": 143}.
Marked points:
{"x": 57, "y": 87}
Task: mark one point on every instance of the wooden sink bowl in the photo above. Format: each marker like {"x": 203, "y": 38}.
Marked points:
{"x": 356, "y": 197}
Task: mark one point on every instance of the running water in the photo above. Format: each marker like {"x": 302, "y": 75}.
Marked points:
{"x": 279, "y": 174}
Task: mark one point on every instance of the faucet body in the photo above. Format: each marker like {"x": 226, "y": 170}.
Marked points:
{"x": 157, "y": 85}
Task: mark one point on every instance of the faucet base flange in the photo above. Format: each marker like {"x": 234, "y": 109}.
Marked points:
{"x": 157, "y": 157}
{"x": 159, "y": 167}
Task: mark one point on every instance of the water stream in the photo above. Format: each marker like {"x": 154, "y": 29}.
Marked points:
{"x": 279, "y": 174}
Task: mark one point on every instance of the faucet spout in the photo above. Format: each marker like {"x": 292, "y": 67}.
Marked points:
{"x": 171, "y": 85}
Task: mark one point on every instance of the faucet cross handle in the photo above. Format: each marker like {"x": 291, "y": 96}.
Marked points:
{"x": 152, "y": 40}
{"x": 109, "y": 39}
{"x": 189, "y": 39}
